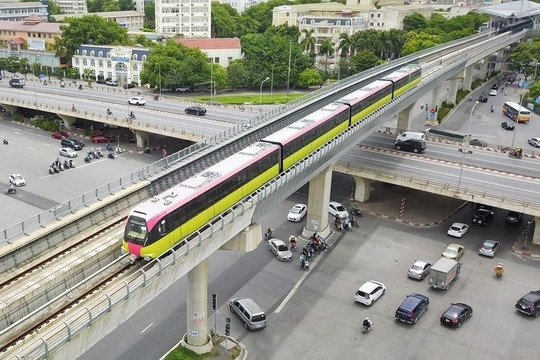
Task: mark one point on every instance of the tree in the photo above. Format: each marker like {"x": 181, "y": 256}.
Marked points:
{"x": 54, "y": 9}
{"x": 364, "y": 60}
{"x": 238, "y": 74}
{"x": 150, "y": 15}
{"x": 346, "y": 45}
{"x": 309, "y": 77}
{"x": 308, "y": 41}
{"x": 258, "y": 18}
{"x": 420, "y": 41}
{"x": 326, "y": 49}
{"x": 414, "y": 22}
{"x": 94, "y": 6}
{"x": 126, "y": 5}
{"x": 224, "y": 18}
{"x": 397, "y": 40}
{"x": 90, "y": 29}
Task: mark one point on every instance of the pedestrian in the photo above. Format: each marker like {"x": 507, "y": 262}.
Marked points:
{"x": 505, "y": 92}
{"x": 422, "y": 107}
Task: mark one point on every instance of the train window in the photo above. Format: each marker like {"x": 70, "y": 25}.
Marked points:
{"x": 162, "y": 229}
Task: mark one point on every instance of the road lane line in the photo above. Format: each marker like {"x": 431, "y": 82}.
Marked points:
{"x": 146, "y": 328}
{"x": 291, "y": 293}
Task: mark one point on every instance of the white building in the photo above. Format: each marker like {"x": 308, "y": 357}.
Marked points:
{"x": 191, "y": 18}
{"x": 241, "y": 5}
{"x": 219, "y": 51}
{"x": 131, "y": 20}
{"x": 72, "y": 6}
{"x": 15, "y": 10}
{"x": 120, "y": 63}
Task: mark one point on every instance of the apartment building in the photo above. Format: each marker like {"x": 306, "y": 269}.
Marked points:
{"x": 14, "y": 10}
{"x": 131, "y": 20}
{"x": 189, "y": 18}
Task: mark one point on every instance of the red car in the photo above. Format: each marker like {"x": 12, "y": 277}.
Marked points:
{"x": 59, "y": 135}
{"x": 100, "y": 139}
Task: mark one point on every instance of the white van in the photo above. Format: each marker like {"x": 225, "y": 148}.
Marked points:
{"x": 411, "y": 135}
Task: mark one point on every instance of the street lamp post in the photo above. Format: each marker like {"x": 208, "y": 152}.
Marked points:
{"x": 260, "y": 93}
{"x": 159, "y": 75}
{"x": 521, "y": 96}
{"x": 465, "y": 150}
{"x": 289, "y": 70}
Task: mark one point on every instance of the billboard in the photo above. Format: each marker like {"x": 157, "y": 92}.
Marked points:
{"x": 36, "y": 44}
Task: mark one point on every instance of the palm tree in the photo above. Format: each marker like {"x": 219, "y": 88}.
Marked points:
{"x": 346, "y": 45}
{"x": 397, "y": 39}
{"x": 309, "y": 41}
{"x": 326, "y": 49}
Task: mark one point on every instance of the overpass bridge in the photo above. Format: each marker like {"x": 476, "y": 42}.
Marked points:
{"x": 238, "y": 225}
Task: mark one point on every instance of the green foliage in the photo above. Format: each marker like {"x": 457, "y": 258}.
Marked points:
{"x": 419, "y": 41}
{"x": 150, "y": 15}
{"x": 143, "y": 41}
{"x": 443, "y": 110}
{"x": 364, "y": 60}
{"x": 54, "y": 9}
{"x": 224, "y": 18}
{"x": 258, "y": 18}
{"x": 309, "y": 77}
{"x": 126, "y": 5}
{"x": 415, "y": 22}
{"x": 238, "y": 74}
{"x": 14, "y": 64}
{"x": 46, "y": 124}
{"x": 90, "y": 29}
{"x": 534, "y": 90}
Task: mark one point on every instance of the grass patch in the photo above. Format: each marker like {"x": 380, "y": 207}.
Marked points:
{"x": 217, "y": 352}
{"x": 250, "y": 99}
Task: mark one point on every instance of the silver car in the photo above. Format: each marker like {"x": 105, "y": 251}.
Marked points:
{"x": 420, "y": 269}
{"x": 489, "y": 248}
{"x": 280, "y": 249}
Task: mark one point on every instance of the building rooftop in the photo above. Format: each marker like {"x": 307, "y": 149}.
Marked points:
{"x": 106, "y": 14}
{"x": 519, "y": 9}
{"x": 208, "y": 44}
{"x": 18, "y": 4}
{"x": 331, "y": 6}
{"x": 44, "y": 27}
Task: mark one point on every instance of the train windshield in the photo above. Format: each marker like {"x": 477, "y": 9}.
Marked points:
{"x": 136, "y": 231}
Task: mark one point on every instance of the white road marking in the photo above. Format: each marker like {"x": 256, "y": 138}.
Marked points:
{"x": 291, "y": 293}
{"x": 146, "y": 328}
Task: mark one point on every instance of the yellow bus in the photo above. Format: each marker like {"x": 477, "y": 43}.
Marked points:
{"x": 516, "y": 112}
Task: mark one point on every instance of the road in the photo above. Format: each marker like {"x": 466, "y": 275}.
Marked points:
{"x": 321, "y": 321}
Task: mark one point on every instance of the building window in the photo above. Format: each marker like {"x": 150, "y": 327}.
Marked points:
{"x": 92, "y": 62}
{"x": 135, "y": 67}
{"x": 92, "y": 53}
{"x": 109, "y": 64}
{"x": 76, "y": 61}
{"x": 100, "y": 54}
{"x": 134, "y": 57}
{"x": 100, "y": 63}
{"x": 84, "y": 62}
{"x": 143, "y": 58}
{"x": 84, "y": 52}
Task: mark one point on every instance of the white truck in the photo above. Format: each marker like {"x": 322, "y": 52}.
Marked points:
{"x": 443, "y": 272}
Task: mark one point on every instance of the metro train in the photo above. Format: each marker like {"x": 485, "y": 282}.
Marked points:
{"x": 156, "y": 225}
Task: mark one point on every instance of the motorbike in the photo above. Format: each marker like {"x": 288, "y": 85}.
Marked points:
{"x": 71, "y": 164}
{"x": 60, "y": 166}
{"x": 80, "y": 87}
{"x": 499, "y": 270}
{"x": 268, "y": 234}
{"x": 11, "y": 191}
{"x": 492, "y": 108}
{"x": 354, "y": 223}
{"x": 55, "y": 169}
{"x": 338, "y": 224}
{"x": 346, "y": 224}
{"x": 131, "y": 115}
{"x": 87, "y": 158}
{"x": 6, "y": 142}
{"x": 366, "y": 329}
{"x": 109, "y": 112}
{"x": 304, "y": 263}
{"x": 66, "y": 164}
{"x": 292, "y": 243}
{"x": 110, "y": 155}
{"x": 515, "y": 154}
{"x": 118, "y": 150}
{"x": 51, "y": 170}
{"x": 356, "y": 211}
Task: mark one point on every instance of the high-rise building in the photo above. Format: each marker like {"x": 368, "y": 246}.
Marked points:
{"x": 72, "y": 6}
{"x": 191, "y": 18}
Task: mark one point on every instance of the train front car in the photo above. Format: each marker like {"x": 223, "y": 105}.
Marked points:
{"x": 156, "y": 225}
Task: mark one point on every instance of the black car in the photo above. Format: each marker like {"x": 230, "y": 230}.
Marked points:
{"x": 456, "y": 314}
{"x": 513, "y": 217}
{"x": 530, "y": 304}
{"x": 482, "y": 217}
{"x": 412, "y": 308}
{"x": 495, "y": 87}
{"x": 478, "y": 142}
{"x": 483, "y": 98}
{"x": 414, "y": 145}
{"x": 195, "y": 110}
{"x": 128, "y": 86}
{"x": 507, "y": 125}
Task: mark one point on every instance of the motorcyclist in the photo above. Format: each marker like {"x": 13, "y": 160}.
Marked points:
{"x": 131, "y": 115}
{"x": 268, "y": 233}
{"x": 367, "y": 323}
{"x": 109, "y": 112}
{"x": 11, "y": 188}
{"x": 73, "y": 107}
{"x": 518, "y": 151}
{"x": 80, "y": 86}
{"x": 492, "y": 108}
{"x": 292, "y": 241}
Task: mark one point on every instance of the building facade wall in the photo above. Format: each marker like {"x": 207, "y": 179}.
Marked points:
{"x": 72, "y": 6}
{"x": 131, "y": 20}
{"x": 324, "y": 28}
{"x": 223, "y": 57}
{"x": 17, "y": 11}
{"x": 188, "y": 17}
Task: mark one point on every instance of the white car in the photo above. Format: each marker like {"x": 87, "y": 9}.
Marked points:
{"x": 297, "y": 212}
{"x": 280, "y": 249}
{"x": 337, "y": 210}
{"x": 369, "y": 292}
{"x": 68, "y": 152}
{"x": 492, "y": 92}
{"x": 534, "y": 141}
{"x": 458, "y": 230}
{"x": 137, "y": 100}
{"x": 17, "y": 180}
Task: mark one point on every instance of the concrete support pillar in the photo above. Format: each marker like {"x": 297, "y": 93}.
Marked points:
{"x": 536, "y": 235}
{"x": 197, "y": 338}
{"x": 453, "y": 86}
{"x": 468, "y": 77}
{"x": 435, "y": 103}
{"x": 319, "y": 197}
{"x": 68, "y": 120}
{"x": 362, "y": 189}
{"x": 484, "y": 65}
{"x": 143, "y": 138}
{"x": 500, "y": 60}
{"x": 9, "y": 108}
{"x": 247, "y": 240}
{"x": 403, "y": 120}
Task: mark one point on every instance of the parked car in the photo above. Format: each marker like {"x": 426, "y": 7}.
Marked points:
{"x": 182, "y": 89}
{"x": 453, "y": 251}
{"x": 337, "y": 210}
{"x": 17, "y": 180}
{"x": 100, "y": 139}
{"x": 489, "y": 248}
{"x": 478, "y": 142}
{"x": 420, "y": 269}
{"x": 137, "y": 100}
{"x": 458, "y": 230}
{"x": 412, "y": 308}
{"x": 413, "y": 145}
{"x": 280, "y": 249}
{"x": 369, "y": 292}
{"x": 456, "y": 314}
{"x": 68, "y": 152}
{"x": 507, "y": 125}
{"x": 59, "y": 135}
{"x": 111, "y": 83}
{"x": 482, "y": 217}
{"x": 530, "y": 303}
{"x": 495, "y": 86}
{"x": 101, "y": 81}
{"x": 195, "y": 110}
{"x": 128, "y": 86}
{"x": 297, "y": 212}
{"x": 513, "y": 217}
{"x": 534, "y": 141}
{"x": 493, "y": 92}
{"x": 249, "y": 313}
